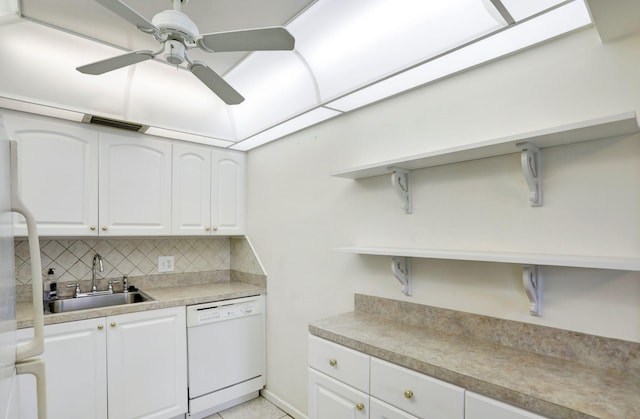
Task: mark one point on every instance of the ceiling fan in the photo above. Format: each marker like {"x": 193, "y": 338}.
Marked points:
{"x": 177, "y": 34}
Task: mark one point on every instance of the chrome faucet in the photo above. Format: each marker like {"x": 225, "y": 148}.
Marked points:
{"x": 96, "y": 258}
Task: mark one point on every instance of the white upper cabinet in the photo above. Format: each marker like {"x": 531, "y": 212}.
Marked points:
{"x": 191, "y": 189}
{"x": 208, "y": 191}
{"x": 80, "y": 180}
{"x": 228, "y": 180}
{"x": 135, "y": 185}
{"x": 57, "y": 174}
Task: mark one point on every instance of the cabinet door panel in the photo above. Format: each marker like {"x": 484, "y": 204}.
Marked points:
{"x": 135, "y": 185}
{"x": 331, "y": 399}
{"x": 381, "y": 410}
{"x": 228, "y": 186}
{"x": 76, "y": 372}
{"x": 191, "y": 209}
{"x": 147, "y": 354}
{"x": 481, "y": 407}
{"x": 57, "y": 174}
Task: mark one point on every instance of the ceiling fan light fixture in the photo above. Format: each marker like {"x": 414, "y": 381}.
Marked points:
{"x": 174, "y": 52}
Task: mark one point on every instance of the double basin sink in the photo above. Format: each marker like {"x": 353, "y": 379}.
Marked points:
{"x": 97, "y": 300}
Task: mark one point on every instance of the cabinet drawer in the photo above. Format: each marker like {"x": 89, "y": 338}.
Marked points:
{"x": 415, "y": 393}
{"x": 480, "y": 407}
{"x": 343, "y": 364}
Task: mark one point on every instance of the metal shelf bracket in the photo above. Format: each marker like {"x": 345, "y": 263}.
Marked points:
{"x": 532, "y": 282}
{"x": 530, "y": 161}
{"x": 401, "y": 268}
{"x": 401, "y": 182}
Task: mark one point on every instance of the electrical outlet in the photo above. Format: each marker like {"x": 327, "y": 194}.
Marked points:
{"x": 166, "y": 264}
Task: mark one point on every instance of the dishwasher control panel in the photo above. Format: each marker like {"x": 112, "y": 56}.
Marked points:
{"x": 224, "y": 310}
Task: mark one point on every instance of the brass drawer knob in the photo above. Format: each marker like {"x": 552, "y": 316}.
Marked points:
{"x": 92, "y": 228}
{"x": 360, "y": 406}
{"x": 113, "y": 324}
{"x": 333, "y": 362}
{"x": 207, "y": 228}
{"x": 408, "y": 394}
{"x": 104, "y": 228}
{"x": 100, "y": 327}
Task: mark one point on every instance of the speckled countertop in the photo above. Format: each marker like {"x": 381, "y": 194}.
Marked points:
{"x": 163, "y": 297}
{"x": 553, "y": 386}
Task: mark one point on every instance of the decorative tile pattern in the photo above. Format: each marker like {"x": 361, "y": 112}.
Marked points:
{"x": 72, "y": 259}
{"x": 244, "y": 259}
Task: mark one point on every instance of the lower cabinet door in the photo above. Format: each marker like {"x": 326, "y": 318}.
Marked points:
{"x": 147, "y": 353}
{"x": 381, "y": 410}
{"x": 76, "y": 372}
{"x": 481, "y": 407}
{"x": 331, "y": 399}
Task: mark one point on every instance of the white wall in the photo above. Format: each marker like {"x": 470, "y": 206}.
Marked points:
{"x": 298, "y": 213}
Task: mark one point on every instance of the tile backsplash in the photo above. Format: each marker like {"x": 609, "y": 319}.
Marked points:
{"x": 72, "y": 258}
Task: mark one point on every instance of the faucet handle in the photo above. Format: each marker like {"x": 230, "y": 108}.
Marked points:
{"x": 111, "y": 284}
{"x": 125, "y": 283}
{"x": 77, "y": 288}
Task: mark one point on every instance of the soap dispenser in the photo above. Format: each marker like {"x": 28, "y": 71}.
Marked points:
{"x": 50, "y": 291}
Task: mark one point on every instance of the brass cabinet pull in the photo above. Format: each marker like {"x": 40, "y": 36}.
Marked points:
{"x": 360, "y": 406}
{"x": 215, "y": 228}
{"x": 104, "y": 228}
{"x": 333, "y": 362}
{"x": 408, "y": 394}
{"x": 113, "y": 324}
{"x": 207, "y": 228}
{"x": 92, "y": 228}
{"x": 100, "y": 327}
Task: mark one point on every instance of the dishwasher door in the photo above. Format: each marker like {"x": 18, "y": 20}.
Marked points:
{"x": 225, "y": 344}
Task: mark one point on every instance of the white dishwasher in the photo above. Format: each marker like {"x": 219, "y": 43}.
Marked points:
{"x": 226, "y": 353}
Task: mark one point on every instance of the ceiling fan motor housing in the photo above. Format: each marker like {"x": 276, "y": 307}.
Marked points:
{"x": 176, "y": 24}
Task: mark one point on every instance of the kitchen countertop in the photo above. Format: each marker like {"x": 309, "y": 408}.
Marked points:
{"x": 548, "y": 385}
{"x": 163, "y": 297}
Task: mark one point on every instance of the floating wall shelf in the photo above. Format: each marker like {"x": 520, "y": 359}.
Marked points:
{"x": 528, "y": 144}
{"x": 529, "y": 261}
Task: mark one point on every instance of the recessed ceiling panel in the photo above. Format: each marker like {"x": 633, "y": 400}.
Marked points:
{"x": 39, "y": 63}
{"x": 349, "y": 44}
{"x": 522, "y": 9}
{"x": 166, "y": 97}
{"x": 276, "y": 85}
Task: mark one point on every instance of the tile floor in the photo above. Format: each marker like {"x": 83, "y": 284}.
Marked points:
{"x": 258, "y": 408}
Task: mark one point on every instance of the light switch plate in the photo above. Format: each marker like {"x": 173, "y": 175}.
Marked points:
{"x": 166, "y": 263}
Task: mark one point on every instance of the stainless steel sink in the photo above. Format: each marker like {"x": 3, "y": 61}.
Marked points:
{"x": 95, "y": 301}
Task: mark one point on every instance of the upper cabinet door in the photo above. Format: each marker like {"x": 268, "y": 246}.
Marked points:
{"x": 191, "y": 209}
{"x": 228, "y": 191}
{"x": 57, "y": 174}
{"x": 135, "y": 185}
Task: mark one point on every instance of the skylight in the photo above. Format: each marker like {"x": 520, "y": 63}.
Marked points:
{"x": 356, "y": 57}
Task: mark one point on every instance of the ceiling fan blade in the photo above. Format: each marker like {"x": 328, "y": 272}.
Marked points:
{"x": 104, "y": 66}
{"x": 262, "y": 39}
{"x": 128, "y": 14}
{"x": 216, "y": 83}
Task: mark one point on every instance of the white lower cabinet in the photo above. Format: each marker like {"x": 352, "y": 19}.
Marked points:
{"x": 147, "y": 359}
{"x": 347, "y": 384}
{"x": 332, "y": 399}
{"x": 481, "y": 407}
{"x": 117, "y": 367}
{"x": 76, "y": 371}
